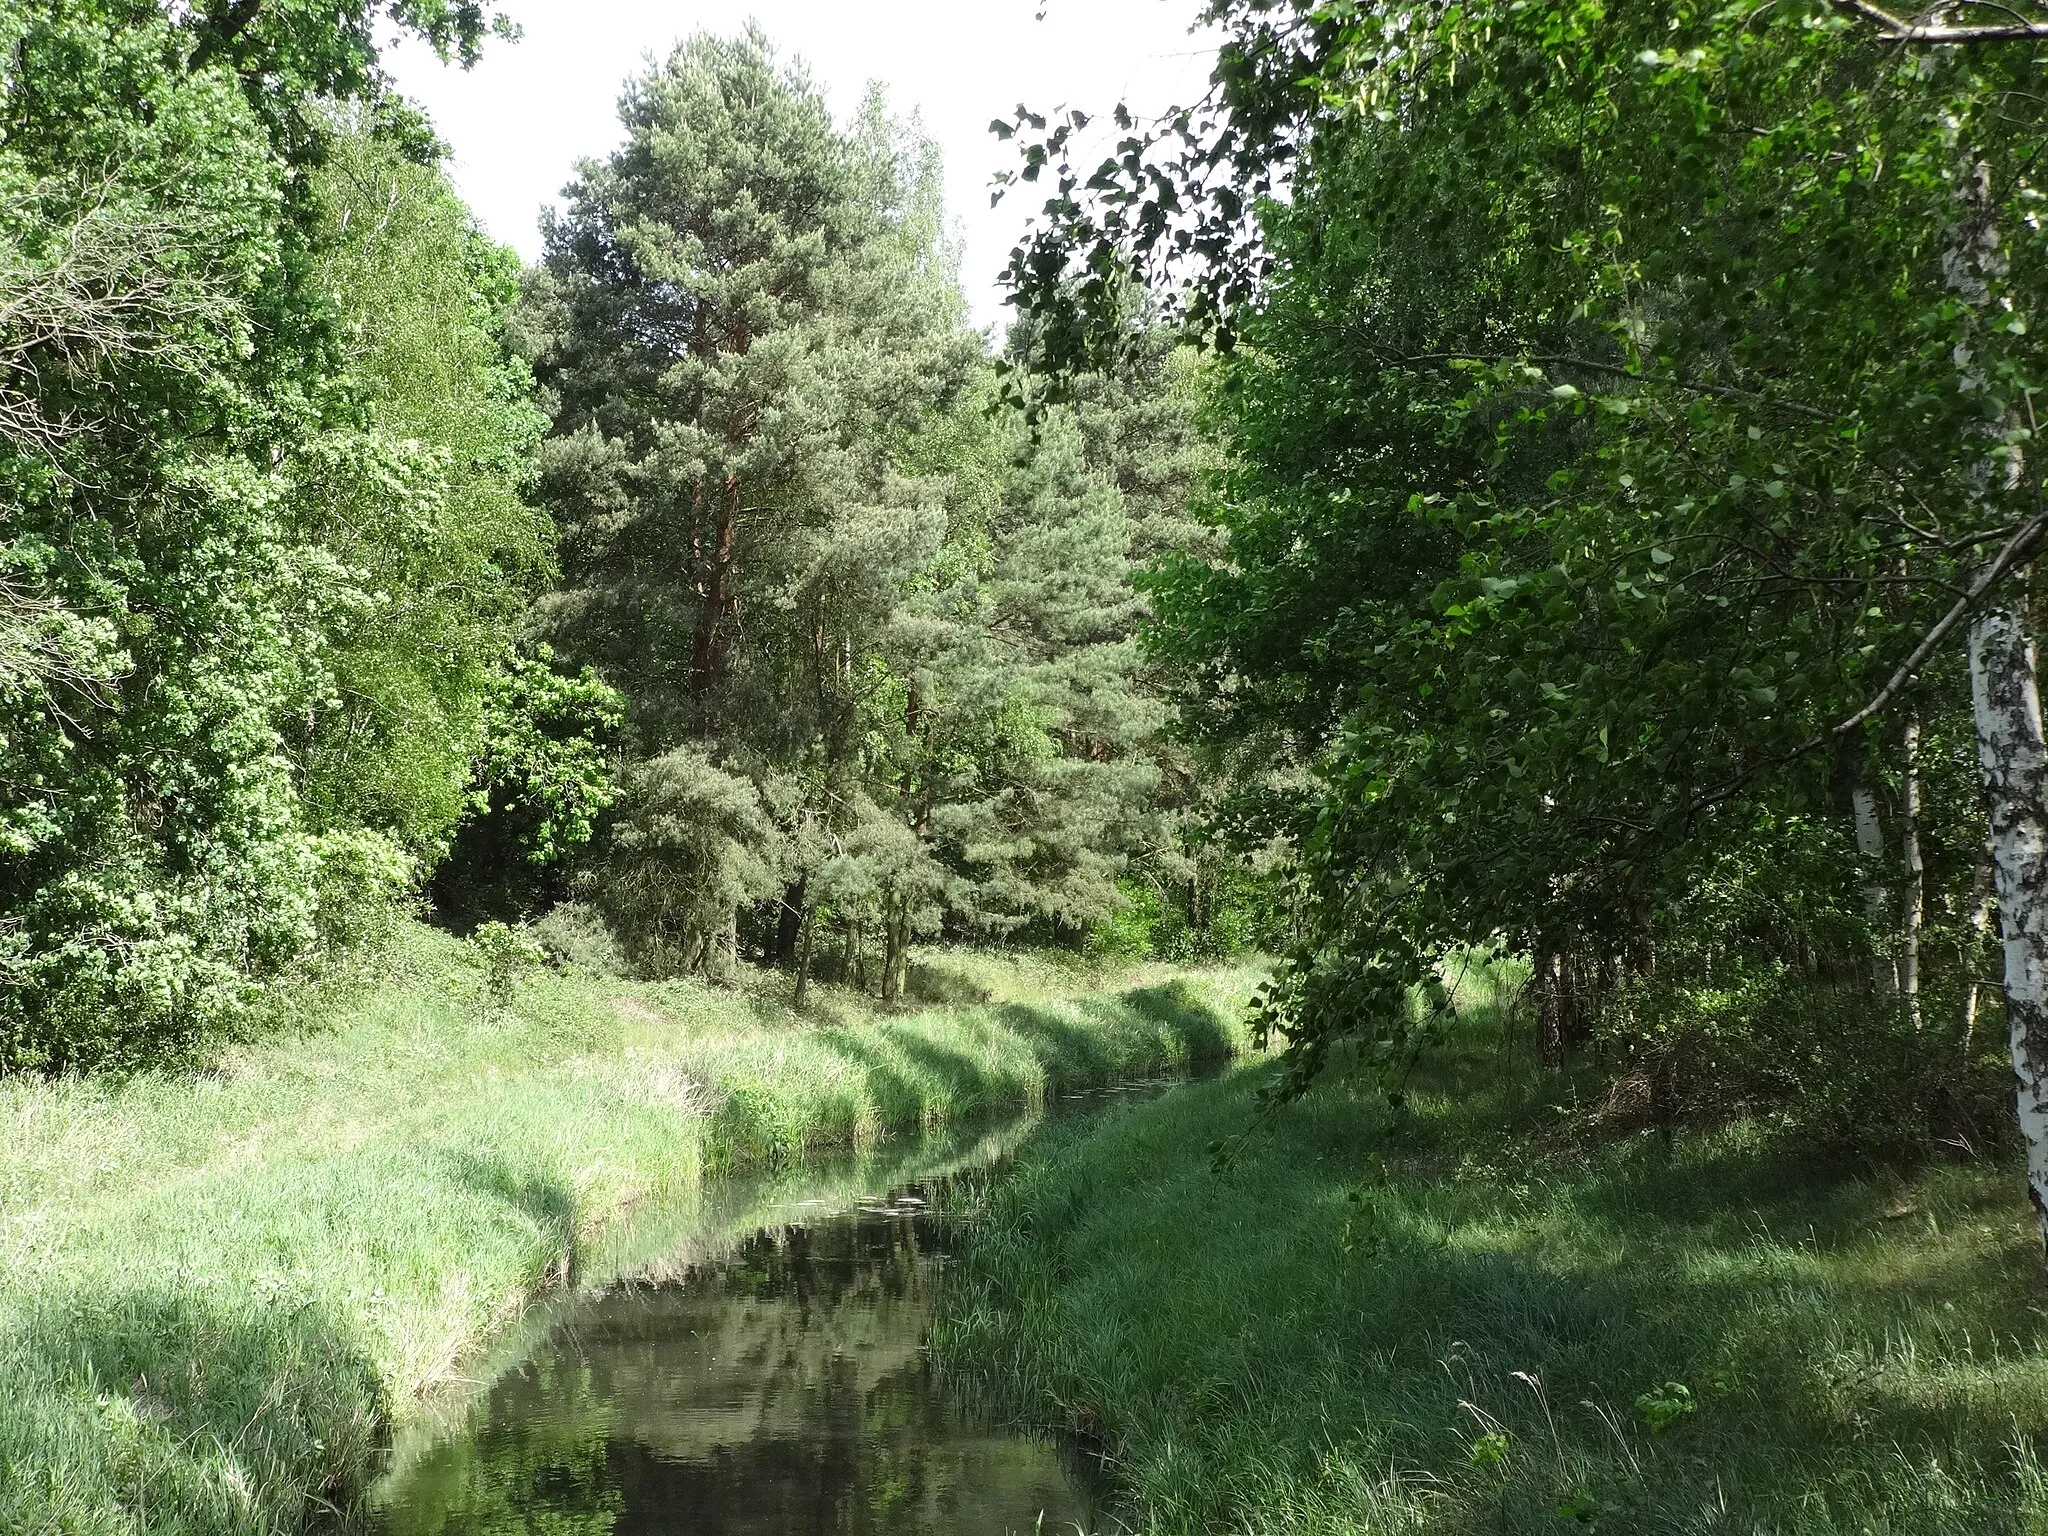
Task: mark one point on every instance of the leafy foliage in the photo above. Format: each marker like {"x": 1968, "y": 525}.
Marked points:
{"x": 201, "y": 775}
{"x": 420, "y": 498}
{"x": 1626, "y": 408}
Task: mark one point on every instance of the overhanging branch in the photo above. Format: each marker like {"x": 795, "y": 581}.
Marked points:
{"x": 2015, "y": 553}
{"x": 219, "y": 34}
{"x": 1905, "y": 29}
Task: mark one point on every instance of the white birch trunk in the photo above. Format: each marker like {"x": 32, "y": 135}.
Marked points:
{"x": 1914, "y": 915}
{"x": 1980, "y": 928}
{"x": 2013, "y": 755}
{"x": 2005, "y": 696}
{"x": 1877, "y": 901}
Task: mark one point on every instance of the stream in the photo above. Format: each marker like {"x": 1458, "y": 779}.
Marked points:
{"x": 753, "y": 1363}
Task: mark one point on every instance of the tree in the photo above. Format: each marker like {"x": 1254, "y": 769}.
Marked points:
{"x": 418, "y": 491}
{"x": 544, "y": 770}
{"x": 165, "y": 366}
{"x": 877, "y": 636}
{"x": 741, "y": 316}
{"x": 736, "y": 314}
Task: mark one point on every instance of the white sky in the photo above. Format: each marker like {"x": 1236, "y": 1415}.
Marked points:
{"x": 519, "y": 122}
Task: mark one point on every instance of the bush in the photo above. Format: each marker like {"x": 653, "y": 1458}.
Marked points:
{"x": 1232, "y": 910}
{"x": 1135, "y": 929}
{"x": 575, "y": 936}
{"x": 363, "y": 880}
{"x": 1835, "y": 1063}
{"x": 692, "y": 845}
{"x": 504, "y": 952}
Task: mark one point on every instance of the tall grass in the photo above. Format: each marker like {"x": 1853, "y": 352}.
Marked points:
{"x": 1466, "y": 1317}
{"x": 217, "y": 1293}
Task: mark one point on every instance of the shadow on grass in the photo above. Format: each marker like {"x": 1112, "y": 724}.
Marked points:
{"x": 908, "y": 1073}
{"x": 1097, "y": 1047}
{"x": 1842, "y": 1372}
{"x": 908, "y": 1077}
{"x": 938, "y": 982}
{"x": 542, "y": 1199}
{"x": 1199, "y": 1025}
{"x": 184, "y": 1407}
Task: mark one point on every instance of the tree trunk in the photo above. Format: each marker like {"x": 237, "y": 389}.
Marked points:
{"x": 896, "y": 926}
{"x": 1914, "y": 914}
{"x": 2005, "y": 697}
{"x": 707, "y": 651}
{"x": 1980, "y": 928}
{"x": 789, "y": 922}
{"x": 1558, "y": 1016}
{"x": 1877, "y": 901}
{"x": 809, "y": 925}
{"x": 2013, "y": 756}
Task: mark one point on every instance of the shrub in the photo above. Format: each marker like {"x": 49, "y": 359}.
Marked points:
{"x": 575, "y": 935}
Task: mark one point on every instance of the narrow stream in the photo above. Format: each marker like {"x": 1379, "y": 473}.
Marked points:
{"x": 762, "y": 1372}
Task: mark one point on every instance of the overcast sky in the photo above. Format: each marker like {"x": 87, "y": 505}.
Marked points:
{"x": 519, "y": 122}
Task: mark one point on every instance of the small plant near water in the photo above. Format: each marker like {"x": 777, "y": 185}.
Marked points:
{"x": 1582, "y": 1509}
{"x": 1489, "y": 1450}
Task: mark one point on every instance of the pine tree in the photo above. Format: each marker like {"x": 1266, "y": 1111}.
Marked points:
{"x": 743, "y": 316}
{"x": 1018, "y": 738}
{"x": 736, "y": 312}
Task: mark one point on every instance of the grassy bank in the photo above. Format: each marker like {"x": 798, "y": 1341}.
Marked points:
{"x": 218, "y": 1291}
{"x": 1463, "y": 1319}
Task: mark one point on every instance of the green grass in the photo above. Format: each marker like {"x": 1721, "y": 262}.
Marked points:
{"x": 1461, "y": 1319}
{"x": 219, "y": 1292}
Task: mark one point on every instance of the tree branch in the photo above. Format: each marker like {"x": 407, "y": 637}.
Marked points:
{"x": 1615, "y": 370}
{"x": 218, "y": 34}
{"x": 1902, "y": 29}
{"x": 2016, "y": 551}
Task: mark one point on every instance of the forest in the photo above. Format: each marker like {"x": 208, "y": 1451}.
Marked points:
{"x": 1487, "y": 580}
{"x": 691, "y": 587}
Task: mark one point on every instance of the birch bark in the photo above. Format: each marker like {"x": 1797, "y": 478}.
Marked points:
{"x": 2013, "y": 755}
{"x": 1914, "y": 915}
{"x": 1980, "y": 929}
{"x": 2005, "y": 698}
{"x": 1877, "y": 901}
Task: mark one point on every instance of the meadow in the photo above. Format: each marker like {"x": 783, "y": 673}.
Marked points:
{"x": 222, "y": 1291}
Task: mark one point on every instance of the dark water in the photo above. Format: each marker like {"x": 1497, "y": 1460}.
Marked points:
{"x": 780, "y": 1387}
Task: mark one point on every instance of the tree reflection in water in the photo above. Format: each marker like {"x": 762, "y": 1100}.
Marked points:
{"x": 782, "y": 1390}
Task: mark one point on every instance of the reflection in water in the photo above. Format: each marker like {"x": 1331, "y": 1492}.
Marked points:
{"x": 783, "y": 1389}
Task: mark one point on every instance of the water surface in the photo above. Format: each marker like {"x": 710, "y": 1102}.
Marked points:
{"x": 771, "y": 1383}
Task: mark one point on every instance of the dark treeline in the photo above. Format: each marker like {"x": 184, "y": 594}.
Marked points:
{"x": 696, "y": 593}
